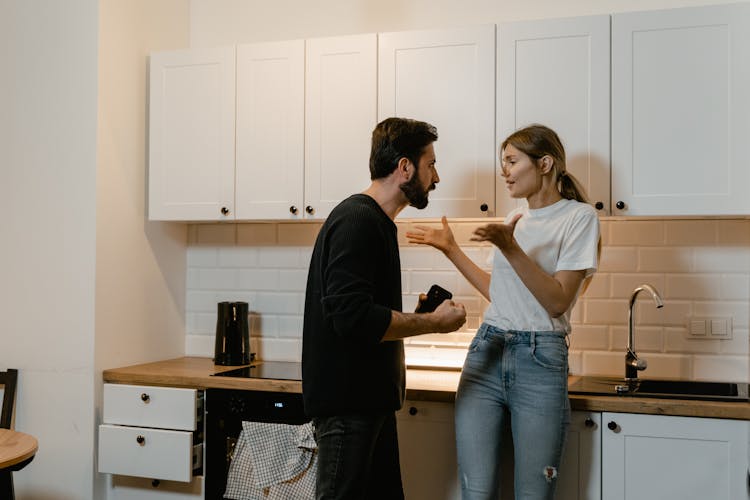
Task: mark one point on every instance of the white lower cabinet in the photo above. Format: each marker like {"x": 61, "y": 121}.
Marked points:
{"x": 581, "y": 467}
{"x": 427, "y": 448}
{"x": 673, "y": 458}
{"x": 579, "y": 476}
{"x": 612, "y": 456}
{"x": 155, "y": 435}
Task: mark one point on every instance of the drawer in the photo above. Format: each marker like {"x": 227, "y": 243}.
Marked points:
{"x": 151, "y": 453}
{"x": 149, "y": 406}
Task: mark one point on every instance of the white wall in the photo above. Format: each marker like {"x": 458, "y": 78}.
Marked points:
{"x": 85, "y": 282}
{"x": 225, "y": 22}
{"x": 48, "y": 204}
{"x": 140, "y": 265}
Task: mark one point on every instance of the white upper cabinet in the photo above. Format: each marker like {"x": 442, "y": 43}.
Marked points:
{"x": 556, "y": 73}
{"x": 270, "y": 130}
{"x": 681, "y": 111}
{"x": 653, "y": 109}
{"x": 446, "y": 78}
{"x": 340, "y": 114}
{"x": 191, "y": 135}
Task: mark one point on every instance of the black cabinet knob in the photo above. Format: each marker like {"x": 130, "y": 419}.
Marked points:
{"x": 483, "y": 207}
{"x": 620, "y": 205}
{"x": 293, "y": 210}
{"x": 310, "y": 210}
{"x": 612, "y": 426}
{"x": 145, "y": 397}
{"x": 140, "y": 440}
{"x": 224, "y": 211}
{"x": 588, "y": 422}
{"x": 413, "y": 410}
{"x": 598, "y": 205}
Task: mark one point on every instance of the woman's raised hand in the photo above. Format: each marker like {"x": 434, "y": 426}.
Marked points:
{"x": 501, "y": 235}
{"x": 442, "y": 239}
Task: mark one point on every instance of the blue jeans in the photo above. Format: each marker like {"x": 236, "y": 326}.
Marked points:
{"x": 521, "y": 376}
{"x": 358, "y": 458}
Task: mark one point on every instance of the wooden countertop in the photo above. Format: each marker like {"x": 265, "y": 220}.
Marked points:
{"x": 428, "y": 385}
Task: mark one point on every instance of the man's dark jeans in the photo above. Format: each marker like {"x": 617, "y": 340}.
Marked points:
{"x": 358, "y": 458}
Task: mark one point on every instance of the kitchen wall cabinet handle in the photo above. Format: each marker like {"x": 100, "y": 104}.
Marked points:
{"x": 620, "y": 205}
{"x": 598, "y": 205}
{"x": 612, "y": 426}
{"x": 413, "y": 410}
{"x": 293, "y": 210}
{"x": 310, "y": 210}
{"x": 140, "y": 440}
{"x": 224, "y": 211}
{"x": 483, "y": 207}
{"x": 145, "y": 398}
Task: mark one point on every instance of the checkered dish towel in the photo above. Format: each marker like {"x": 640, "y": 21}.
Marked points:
{"x": 273, "y": 462}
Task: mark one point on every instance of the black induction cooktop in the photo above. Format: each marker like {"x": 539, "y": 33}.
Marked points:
{"x": 277, "y": 370}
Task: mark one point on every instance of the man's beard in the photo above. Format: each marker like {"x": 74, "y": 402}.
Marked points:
{"x": 415, "y": 193}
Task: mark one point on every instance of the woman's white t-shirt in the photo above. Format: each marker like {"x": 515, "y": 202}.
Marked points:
{"x": 559, "y": 237}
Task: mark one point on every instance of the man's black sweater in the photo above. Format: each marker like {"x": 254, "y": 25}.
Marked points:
{"x": 353, "y": 283}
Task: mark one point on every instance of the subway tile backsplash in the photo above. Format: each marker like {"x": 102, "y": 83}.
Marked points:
{"x": 701, "y": 267}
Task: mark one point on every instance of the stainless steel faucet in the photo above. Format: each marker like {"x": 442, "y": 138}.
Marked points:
{"x": 632, "y": 363}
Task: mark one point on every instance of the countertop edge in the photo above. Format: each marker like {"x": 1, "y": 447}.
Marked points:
{"x": 195, "y": 372}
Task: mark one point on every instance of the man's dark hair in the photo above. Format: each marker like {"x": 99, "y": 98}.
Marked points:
{"x": 396, "y": 138}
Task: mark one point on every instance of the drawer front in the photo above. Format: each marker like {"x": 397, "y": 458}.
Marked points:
{"x": 148, "y": 406}
{"x": 151, "y": 453}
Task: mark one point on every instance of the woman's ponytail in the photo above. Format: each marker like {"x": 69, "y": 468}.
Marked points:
{"x": 571, "y": 188}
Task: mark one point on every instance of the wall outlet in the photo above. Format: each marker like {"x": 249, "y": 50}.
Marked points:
{"x": 713, "y": 328}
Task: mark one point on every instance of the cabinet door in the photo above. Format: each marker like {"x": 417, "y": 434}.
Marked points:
{"x": 427, "y": 449}
{"x": 270, "y": 130}
{"x": 340, "y": 114}
{"x": 579, "y": 476}
{"x": 191, "y": 135}
{"x": 446, "y": 77}
{"x": 681, "y": 111}
{"x": 556, "y": 73}
{"x": 673, "y": 458}
{"x": 580, "y": 470}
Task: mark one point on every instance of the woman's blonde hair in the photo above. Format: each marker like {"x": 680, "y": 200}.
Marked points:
{"x": 538, "y": 141}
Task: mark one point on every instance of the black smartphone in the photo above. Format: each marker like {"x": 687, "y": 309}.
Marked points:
{"x": 435, "y": 296}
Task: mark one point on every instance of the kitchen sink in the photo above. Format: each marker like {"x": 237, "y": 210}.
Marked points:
{"x": 654, "y": 388}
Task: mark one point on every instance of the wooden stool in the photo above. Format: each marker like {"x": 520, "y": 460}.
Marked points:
{"x": 16, "y": 450}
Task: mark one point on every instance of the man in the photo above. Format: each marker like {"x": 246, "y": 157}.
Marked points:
{"x": 353, "y": 372}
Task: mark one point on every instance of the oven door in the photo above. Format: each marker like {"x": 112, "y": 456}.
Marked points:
{"x": 226, "y": 409}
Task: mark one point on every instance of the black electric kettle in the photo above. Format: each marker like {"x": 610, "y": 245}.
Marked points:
{"x": 232, "y": 334}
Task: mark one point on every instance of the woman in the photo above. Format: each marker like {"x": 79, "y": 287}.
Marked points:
{"x": 516, "y": 366}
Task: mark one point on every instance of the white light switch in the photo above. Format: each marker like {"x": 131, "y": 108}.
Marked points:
{"x": 721, "y": 328}
{"x": 716, "y": 328}
{"x": 698, "y": 328}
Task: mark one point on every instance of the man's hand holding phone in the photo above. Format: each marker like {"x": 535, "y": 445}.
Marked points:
{"x": 435, "y": 296}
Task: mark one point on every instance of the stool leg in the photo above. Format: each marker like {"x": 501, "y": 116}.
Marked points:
{"x": 6, "y": 485}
